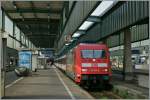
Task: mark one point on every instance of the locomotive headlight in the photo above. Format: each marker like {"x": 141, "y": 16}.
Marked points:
{"x": 86, "y": 65}
{"x": 105, "y": 70}
{"x": 78, "y": 75}
{"x": 102, "y": 65}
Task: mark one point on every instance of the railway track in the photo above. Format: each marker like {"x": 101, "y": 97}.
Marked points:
{"x": 104, "y": 95}
{"x": 114, "y": 93}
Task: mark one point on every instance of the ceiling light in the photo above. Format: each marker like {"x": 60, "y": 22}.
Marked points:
{"x": 85, "y": 25}
{"x": 76, "y": 35}
{"x": 67, "y": 44}
{"x": 103, "y": 7}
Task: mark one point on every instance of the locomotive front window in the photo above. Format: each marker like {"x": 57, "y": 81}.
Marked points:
{"x": 87, "y": 53}
{"x": 99, "y": 54}
{"x": 93, "y": 54}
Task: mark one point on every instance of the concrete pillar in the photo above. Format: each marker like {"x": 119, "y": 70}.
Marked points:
{"x": 2, "y": 89}
{"x": 2, "y": 67}
{"x": 127, "y": 65}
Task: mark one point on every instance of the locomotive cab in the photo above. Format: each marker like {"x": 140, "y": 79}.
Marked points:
{"x": 92, "y": 64}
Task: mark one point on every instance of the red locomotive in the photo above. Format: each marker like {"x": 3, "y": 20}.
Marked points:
{"x": 87, "y": 64}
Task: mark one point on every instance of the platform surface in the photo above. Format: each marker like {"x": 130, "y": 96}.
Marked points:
{"x": 46, "y": 84}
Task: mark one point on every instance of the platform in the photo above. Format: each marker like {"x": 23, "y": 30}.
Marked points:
{"x": 46, "y": 84}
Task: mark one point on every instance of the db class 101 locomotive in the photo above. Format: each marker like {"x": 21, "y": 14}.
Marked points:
{"x": 87, "y": 64}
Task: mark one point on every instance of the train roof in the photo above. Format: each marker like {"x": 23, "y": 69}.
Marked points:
{"x": 91, "y": 44}
{"x": 88, "y": 45}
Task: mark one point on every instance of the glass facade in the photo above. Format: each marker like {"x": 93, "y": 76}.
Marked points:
{"x": 15, "y": 32}
{"x": 8, "y": 26}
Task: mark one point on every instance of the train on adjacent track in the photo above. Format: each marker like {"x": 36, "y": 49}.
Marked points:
{"x": 87, "y": 64}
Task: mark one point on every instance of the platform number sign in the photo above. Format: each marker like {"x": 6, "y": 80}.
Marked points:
{"x": 25, "y": 59}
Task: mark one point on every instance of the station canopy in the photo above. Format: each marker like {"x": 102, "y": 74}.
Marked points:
{"x": 39, "y": 20}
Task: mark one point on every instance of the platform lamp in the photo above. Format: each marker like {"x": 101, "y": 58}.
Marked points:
{"x": 103, "y": 7}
